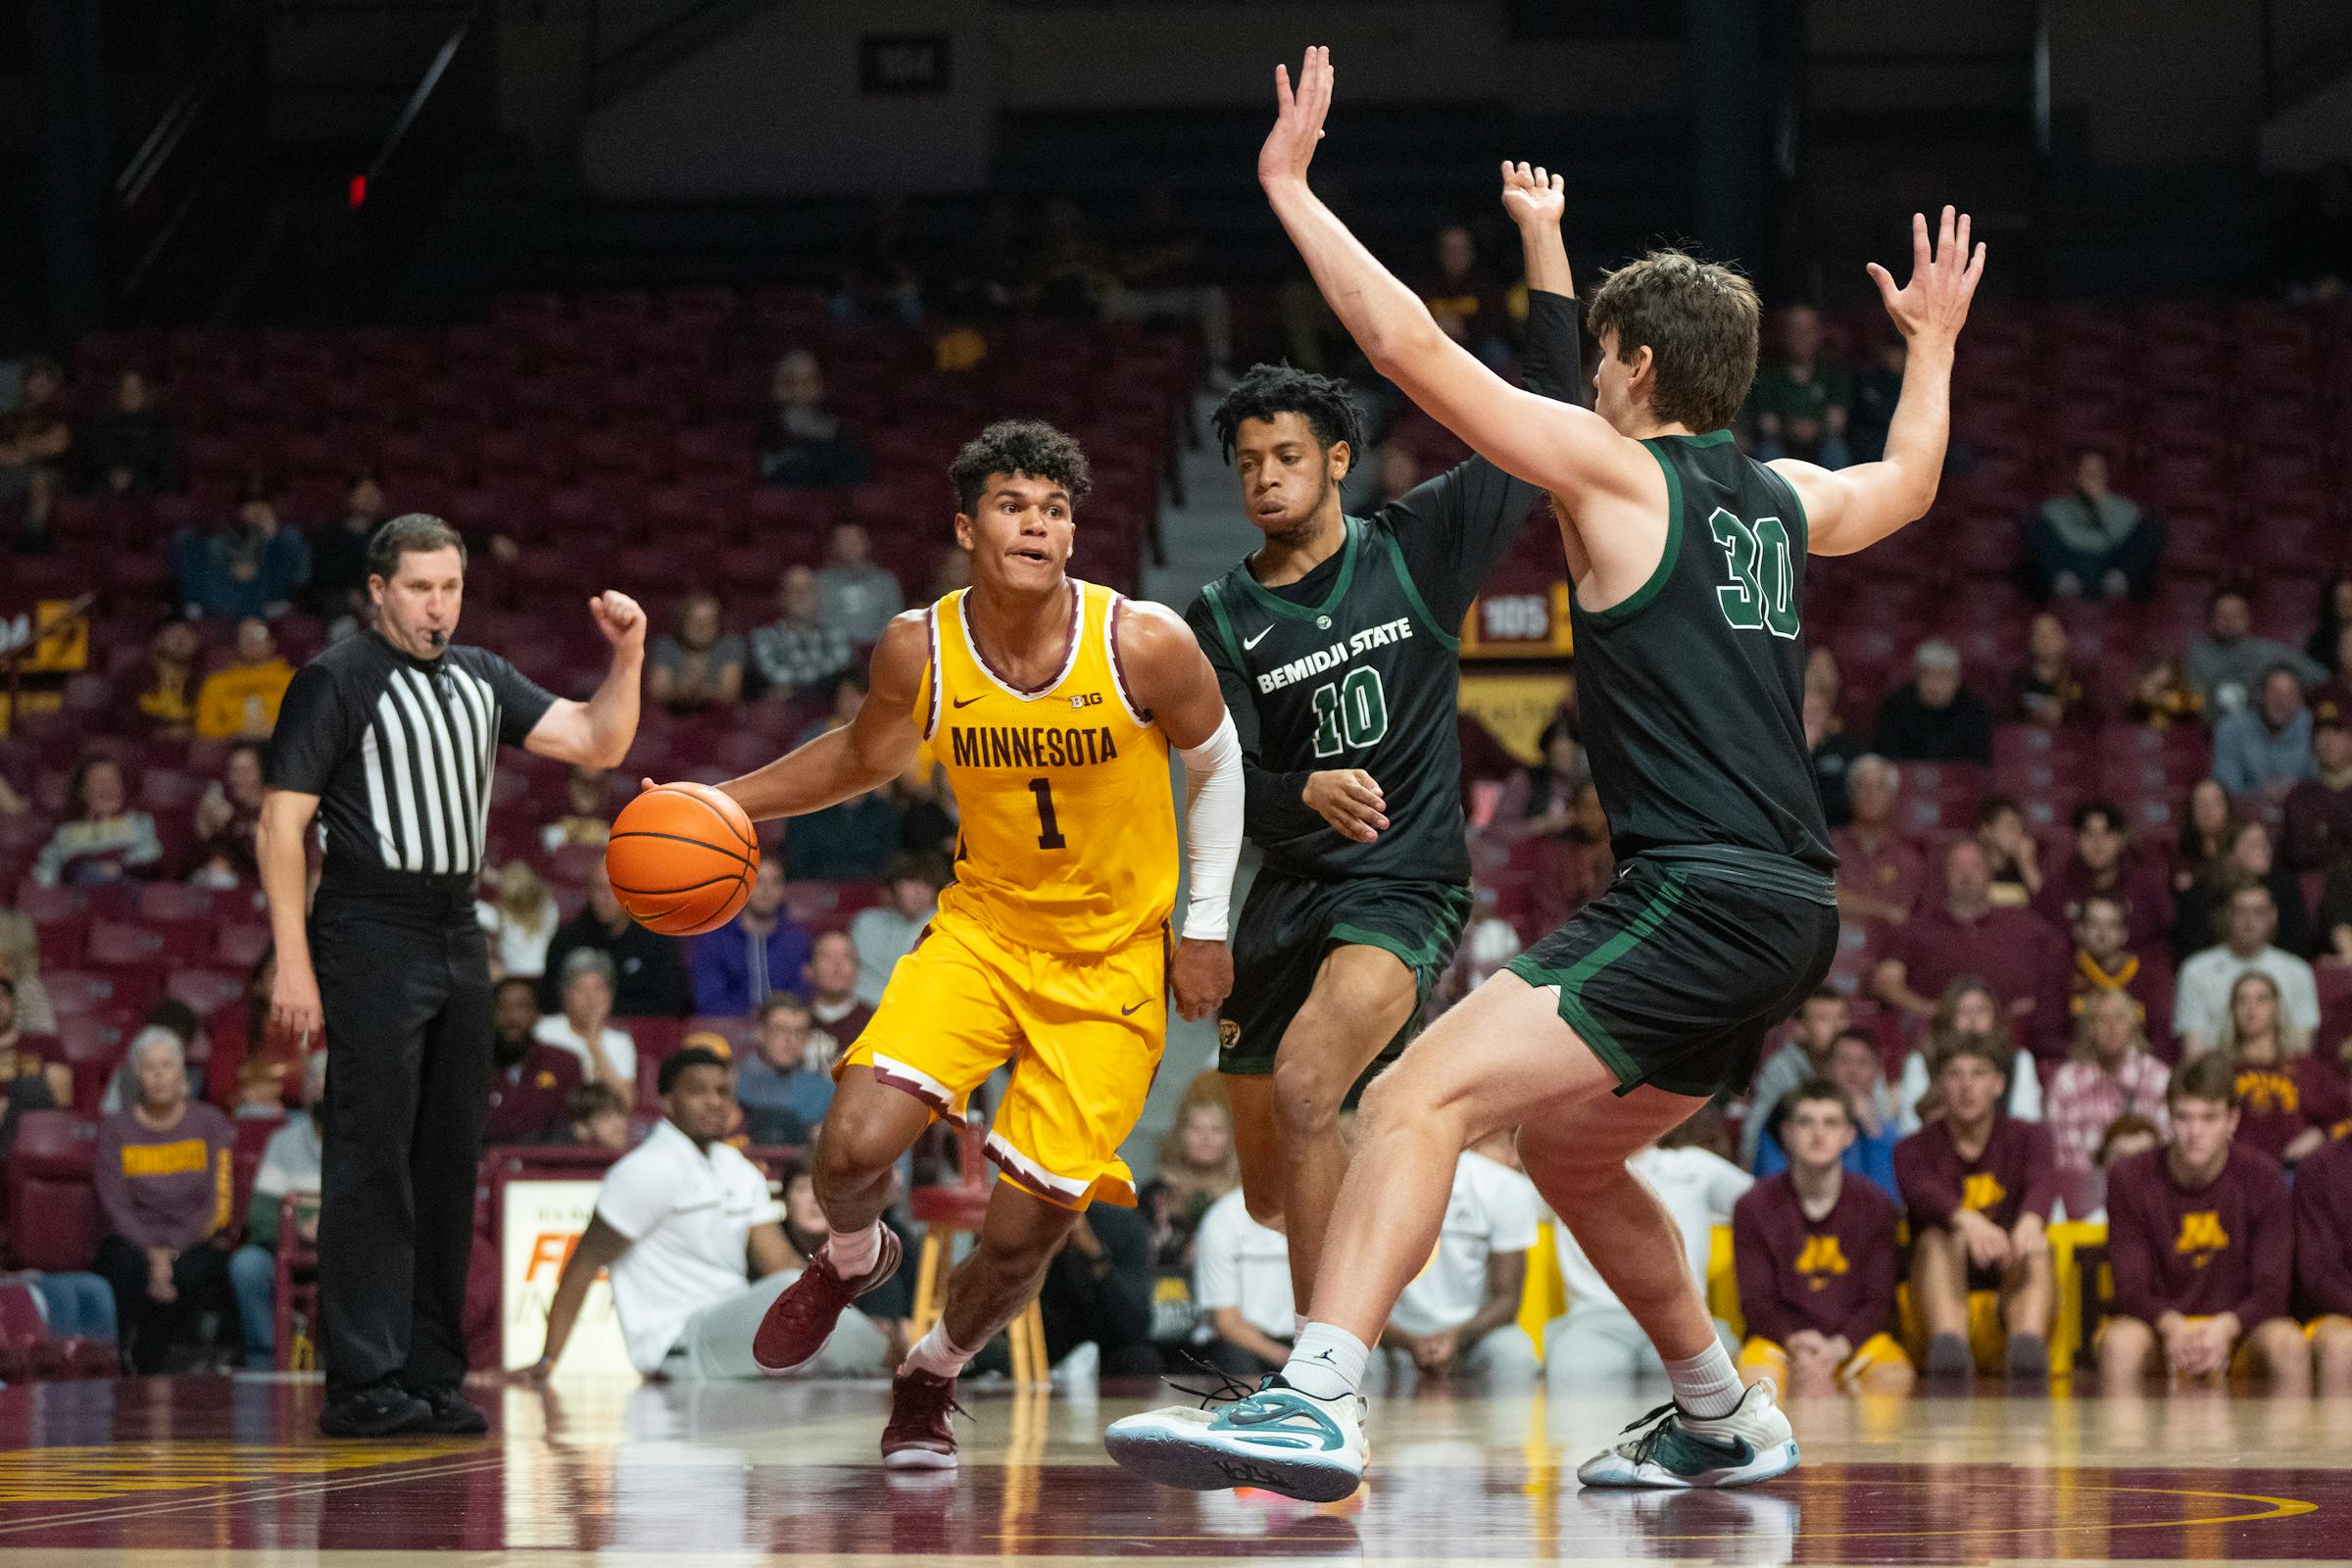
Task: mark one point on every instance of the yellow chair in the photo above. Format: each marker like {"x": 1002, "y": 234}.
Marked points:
{"x": 949, "y": 1211}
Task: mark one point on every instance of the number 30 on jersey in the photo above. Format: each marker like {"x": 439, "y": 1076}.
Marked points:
{"x": 1761, "y": 592}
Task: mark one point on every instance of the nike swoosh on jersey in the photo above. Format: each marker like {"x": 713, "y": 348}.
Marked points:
{"x": 966, "y": 701}
{"x": 1249, "y": 643}
{"x": 1129, "y": 1012}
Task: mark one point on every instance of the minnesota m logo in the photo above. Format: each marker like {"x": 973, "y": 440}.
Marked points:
{"x": 1822, "y": 1257}
{"x": 1983, "y": 1190}
{"x": 2201, "y": 1235}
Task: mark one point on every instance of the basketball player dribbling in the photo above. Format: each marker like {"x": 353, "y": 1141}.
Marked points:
{"x": 1052, "y": 703}
{"x": 1688, "y": 564}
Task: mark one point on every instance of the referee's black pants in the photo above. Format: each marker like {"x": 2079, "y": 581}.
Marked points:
{"x": 405, "y": 981}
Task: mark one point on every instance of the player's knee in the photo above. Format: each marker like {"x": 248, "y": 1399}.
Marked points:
{"x": 850, "y": 1154}
{"x": 2123, "y": 1346}
{"x": 2282, "y": 1349}
{"x": 2331, "y": 1346}
{"x": 1308, "y": 1089}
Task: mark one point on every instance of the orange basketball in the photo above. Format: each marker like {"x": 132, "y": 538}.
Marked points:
{"x": 682, "y": 859}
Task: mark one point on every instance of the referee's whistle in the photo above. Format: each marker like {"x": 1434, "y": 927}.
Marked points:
{"x": 437, "y": 638}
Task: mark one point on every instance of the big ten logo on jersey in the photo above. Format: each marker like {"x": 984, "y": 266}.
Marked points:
{"x": 2201, "y": 1238}
{"x": 1982, "y": 1191}
{"x": 1821, "y": 1259}
{"x": 1086, "y": 699}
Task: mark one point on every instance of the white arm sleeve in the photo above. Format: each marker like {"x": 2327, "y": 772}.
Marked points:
{"x": 1212, "y": 830}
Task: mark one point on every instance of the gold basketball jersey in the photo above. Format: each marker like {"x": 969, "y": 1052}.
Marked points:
{"x": 1068, "y": 837}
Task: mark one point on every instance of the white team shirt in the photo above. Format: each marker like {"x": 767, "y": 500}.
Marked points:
{"x": 1698, "y": 1190}
{"x": 1492, "y": 1209}
{"x": 1237, "y": 1262}
{"x": 688, "y": 1216}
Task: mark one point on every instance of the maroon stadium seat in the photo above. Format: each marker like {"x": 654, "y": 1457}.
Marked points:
{"x": 53, "y": 1220}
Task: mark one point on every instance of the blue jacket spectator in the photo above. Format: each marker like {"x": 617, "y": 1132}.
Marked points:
{"x": 254, "y": 568}
{"x": 2264, "y": 748}
{"x": 753, "y": 957}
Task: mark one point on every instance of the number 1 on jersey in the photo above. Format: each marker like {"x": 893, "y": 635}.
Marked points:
{"x": 1048, "y": 831}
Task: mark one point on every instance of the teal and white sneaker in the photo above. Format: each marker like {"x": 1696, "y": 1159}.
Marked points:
{"x": 1277, "y": 1438}
{"x": 1668, "y": 1448}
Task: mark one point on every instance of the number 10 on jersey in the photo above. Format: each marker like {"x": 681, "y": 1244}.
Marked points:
{"x": 1350, "y": 713}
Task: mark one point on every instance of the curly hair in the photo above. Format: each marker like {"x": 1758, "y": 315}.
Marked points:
{"x": 1271, "y": 389}
{"x": 1700, "y": 320}
{"x": 1019, "y": 446}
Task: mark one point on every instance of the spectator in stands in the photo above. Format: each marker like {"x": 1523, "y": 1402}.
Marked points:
{"x": 255, "y": 566}
{"x": 1881, "y": 875}
{"x": 2112, "y": 1073}
{"x": 1198, "y": 1165}
{"x": 848, "y": 841}
{"x": 760, "y": 951}
{"x": 163, "y": 1179}
{"x": 1877, "y": 387}
{"x": 241, "y": 699}
{"x": 521, "y": 922}
{"x": 36, "y": 443}
{"x": 2108, "y": 962}
{"x": 2209, "y": 825}
{"x": 700, "y": 664}
{"x": 27, "y": 1081}
{"x": 1540, "y": 801}
{"x": 2264, "y": 750}
{"x": 2201, "y": 996}
{"x": 2161, "y": 695}
{"x": 853, "y": 594}
{"x": 1804, "y": 1054}
{"x": 1466, "y": 301}
{"x": 1802, "y": 401}
{"x": 1858, "y": 1070}
{"x": 1160, "y": 271}
{"x": 2325, "y": 644}
{"x": 832, "y": 975}
{"x": 801, "y": 444}
{"x": 1069, "y": 275}
{"x": 2200, "y": 1237}
{"x": 2046, "y": 689}
{"x": 164, "y": 704}
{"x": 1815, "y": 1257}
{"x": 1935, "y": 718}
{"x": 676, "y": 1222}
{"x": 1597, "y": 1344}
{"x": 1968, "y": 1009}
{"x": 2318, "y": 811}
{"x": 2104, "y": 861}
{"x": 227, "y": 818}
{"x": 2311, "y": 259}
{"x": 584, "y": 1027}
{"x": 1833, "y": 753}
{"x": 2287, "y": 1099}
{"x": 887, "y": 932}
{"x": 799, "y": 652}
{"x": 649, "y": 971}
{"x": 21, "y": 967}
{"x": 102, "y": 840}
{"x": 587, "y": 819}
{"x": 2250, "y": 858}
{"x": 290, "y": 1163}
{"x": 2011, "y": 855}
{"x": 1458, "y": 1318}
{"x": 879, "y": 280}
{"x": 1980, "y": 1186}
{"x": 785, "y": 1081}
{"x": 924, "y": 806}
{"x": 2332, "y": 696}
{"x": 1241, "y": 1285}
{"x": 2228, "y": 664}
{"x": 2013, "y": 949}
{"x": 1098, "y": 1290}
{"x": 2323, "y": 1262}
{"x": 130, "y": 450}
{"x": 2335, "y": 921}
{"x": 2092, "y": 543}
{"x": 531, "y": 1082}
{"x": 339, "y": 559}
{"x": 597, "y": 1118}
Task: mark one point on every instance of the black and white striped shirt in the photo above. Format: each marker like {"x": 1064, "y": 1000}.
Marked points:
{"x": 400, "y": 752}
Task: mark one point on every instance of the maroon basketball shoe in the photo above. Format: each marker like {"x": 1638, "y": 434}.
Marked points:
{"x": 799, "y": 1321}
{"x": 918, "y": 1437}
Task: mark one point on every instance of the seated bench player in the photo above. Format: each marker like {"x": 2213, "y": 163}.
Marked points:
{"x": 1979, "y": 1186}
{"x": 2323, "y": 1262}
{"x": 1815, "y": 1254}
{"x": 2200, "y": 1236}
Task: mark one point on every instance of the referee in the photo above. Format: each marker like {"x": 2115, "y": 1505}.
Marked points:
{"x": 389, "y": 739}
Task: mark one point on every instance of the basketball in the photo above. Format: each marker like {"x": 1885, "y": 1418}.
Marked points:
{"x": 681, "y": 859}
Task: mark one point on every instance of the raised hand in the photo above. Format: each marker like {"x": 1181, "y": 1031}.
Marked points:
{"x": 1533, "y": 195}
{"x": 619, "y": 618}
{"x": 1298, "y": 122}
{"x": 1943, "y": 279}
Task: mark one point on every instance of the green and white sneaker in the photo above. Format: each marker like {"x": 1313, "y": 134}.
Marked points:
{"x": 1278, "y": 1438}
{"x": 1669, "y": 1447}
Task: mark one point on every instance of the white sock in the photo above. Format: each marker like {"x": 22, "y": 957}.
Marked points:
{"x": 1327, "y": 1362}
{"x": 1708, "y": 1385}
{"x": 1298, "y": 1325}
{"x": 936, "y": 1353}
{"x": 854, "y": 1253}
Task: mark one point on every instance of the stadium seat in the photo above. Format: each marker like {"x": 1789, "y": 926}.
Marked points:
{"x": 53, "y": 1220}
